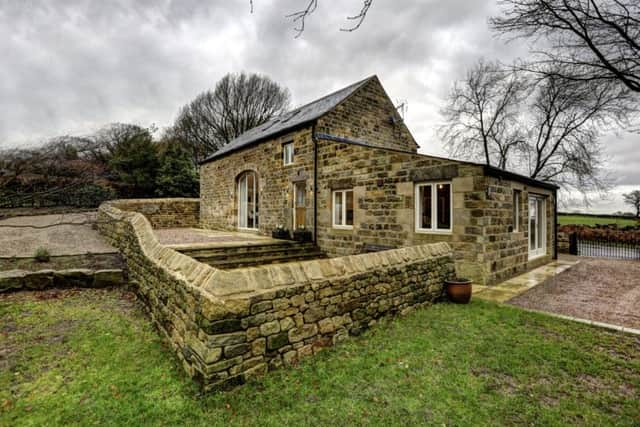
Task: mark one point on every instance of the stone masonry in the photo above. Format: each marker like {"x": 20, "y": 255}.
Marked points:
{"x": 363, "y": 145}
{"x": 227, "y": 326}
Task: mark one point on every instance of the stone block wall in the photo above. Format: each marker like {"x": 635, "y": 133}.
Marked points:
{"x": 15, "y": 280}
{"x": 369, "y": 115}
{"x": 486, "y": 248}
{"x": 563, "y": 242}
{"x": 164, "y": 213}
{"x": 219, "y": 181}
{"x": 226, "y": 326}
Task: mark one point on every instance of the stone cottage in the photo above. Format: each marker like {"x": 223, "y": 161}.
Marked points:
{"x": 346, "y": 168}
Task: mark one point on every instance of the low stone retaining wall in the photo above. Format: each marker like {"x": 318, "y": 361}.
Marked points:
{"x": 226, "y": 326}
{"x": 15, "y": 280}
{"x": 164, "y": 213}
{"x": 563, "y": 242}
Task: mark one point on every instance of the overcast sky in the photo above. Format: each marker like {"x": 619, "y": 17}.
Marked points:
{"x": 71, "y": 66}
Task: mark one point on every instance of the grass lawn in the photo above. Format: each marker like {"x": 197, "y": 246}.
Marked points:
{"x": 593, "y": 220}
{"x": 91, "y": 357}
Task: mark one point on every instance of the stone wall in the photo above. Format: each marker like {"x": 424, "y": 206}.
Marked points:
{"x": 15, "y": 280}
{"x": 369, "y": 115}
{"x": 218, "y": 183}
{"x": 164, "y": 213}
{"x": 486, "y": 247}
{"x": 226, "y": 326}
{"x": 563, "y": 242}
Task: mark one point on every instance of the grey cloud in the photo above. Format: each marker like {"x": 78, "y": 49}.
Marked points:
{"x": 74, "y": 65}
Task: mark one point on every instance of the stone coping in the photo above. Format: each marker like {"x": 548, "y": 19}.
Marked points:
{"x": 253, "y": 281}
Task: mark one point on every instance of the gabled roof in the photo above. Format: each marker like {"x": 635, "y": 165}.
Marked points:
{"x": 290, "y": 120}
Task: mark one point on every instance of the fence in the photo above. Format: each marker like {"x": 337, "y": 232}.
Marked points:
{"x": 606, "y": 247}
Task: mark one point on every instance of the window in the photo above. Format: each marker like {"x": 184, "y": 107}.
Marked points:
{"x": 537, "y": 226}
{"x": 343, "y": 209}
{"x": 516, "y": 211}
{"x": 287, "y": 153}
{"x": 248, "y": 201}
{"x": 433, "y": 207}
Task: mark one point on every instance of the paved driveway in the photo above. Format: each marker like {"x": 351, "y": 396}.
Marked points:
{"x": 597, "y": 289}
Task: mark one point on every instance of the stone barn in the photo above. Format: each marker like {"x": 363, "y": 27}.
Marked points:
{"x": 346, "y": 169}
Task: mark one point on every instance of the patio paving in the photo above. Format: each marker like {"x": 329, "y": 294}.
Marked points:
{"x": 192, "y": 238}
{"x": 515, "y": 286}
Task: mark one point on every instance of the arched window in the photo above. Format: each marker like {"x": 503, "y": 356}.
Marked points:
{"x": 248, "y": 200}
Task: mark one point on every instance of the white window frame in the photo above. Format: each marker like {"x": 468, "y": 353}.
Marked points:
{"x": 434, "y": 207}
{"x": 344, "y": 209}
{"x": 287, "y": 153}
{"x": 517, "y": 199}
{"x": 242, "y": 189}
{"x": 541, "y": 220}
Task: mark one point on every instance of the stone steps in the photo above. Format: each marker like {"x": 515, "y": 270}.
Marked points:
{"x": 253, "y": 255}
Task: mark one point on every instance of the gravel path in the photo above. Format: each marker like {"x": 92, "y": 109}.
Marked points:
{"x": 58, "y": 239}
{"x": 598, "y": 289}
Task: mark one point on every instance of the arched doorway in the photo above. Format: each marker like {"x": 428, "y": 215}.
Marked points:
{"x": 248, "y": 200}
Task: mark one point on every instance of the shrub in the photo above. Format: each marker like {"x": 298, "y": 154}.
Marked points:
{"x": 42, "y": 255}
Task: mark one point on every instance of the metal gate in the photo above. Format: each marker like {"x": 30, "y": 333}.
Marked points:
{"x": 594, "y": 246}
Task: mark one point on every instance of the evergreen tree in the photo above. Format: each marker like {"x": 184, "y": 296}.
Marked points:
{"x": 177, "y": 177}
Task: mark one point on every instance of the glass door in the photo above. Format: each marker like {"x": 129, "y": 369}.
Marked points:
{"x": 537, "y": 227}
{"x": 299, "y": 205}
{"x": 248, "y": 201}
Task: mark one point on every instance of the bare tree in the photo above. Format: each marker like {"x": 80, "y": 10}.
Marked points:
{"x": 633, "y": 199}
{"x": 300, "y": 16}
{"x": 550, "y": 131}
{"x": 587, "y": 40}
{"x": 482, "y": 114}
{"x": 238, "y": 103}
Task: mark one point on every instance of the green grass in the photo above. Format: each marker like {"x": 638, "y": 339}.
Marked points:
{"x": 593, "y": 220}
{"x": 91, "y": 358}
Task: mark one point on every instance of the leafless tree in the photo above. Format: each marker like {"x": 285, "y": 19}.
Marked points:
{"x": 586, "y": 40}
{"x": 482, "y": 114}
{"x": 549, "y": 131}
{"x": 633, "y": 199}
{"x": 238, "y": 103}
{"x": 299, "y": 17}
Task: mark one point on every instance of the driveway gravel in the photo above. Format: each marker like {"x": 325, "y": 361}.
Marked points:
{"x": 598, "y": 289}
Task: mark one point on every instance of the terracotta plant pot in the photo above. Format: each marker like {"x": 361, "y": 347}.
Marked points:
{"x": 459, "y": 290}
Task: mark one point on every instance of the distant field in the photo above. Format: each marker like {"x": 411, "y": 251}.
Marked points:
{"x": 593, "y": 220}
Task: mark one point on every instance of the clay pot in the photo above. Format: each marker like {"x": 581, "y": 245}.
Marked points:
{"x": 459, "y": 290}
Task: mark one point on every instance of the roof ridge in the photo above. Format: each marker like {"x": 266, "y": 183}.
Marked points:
{"x": 358, "y": 83}
{"x": 303, "y": 114}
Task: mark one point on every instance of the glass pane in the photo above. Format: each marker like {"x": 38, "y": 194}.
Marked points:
{"x": 242, "y": 202}
{"x": 532, "y": 223}
{"x": 349, "y": 203}
{"x": 300, "y": 195}
{"x": 443, "y": 197}
{"x": 250, "y": 201}
{"x": 516, "y": 210}
{"x": 541, "y": 215}
{"x": 256, "y": 204}
{"x": 424, "y": 208}
{"x": 337, "y": 208}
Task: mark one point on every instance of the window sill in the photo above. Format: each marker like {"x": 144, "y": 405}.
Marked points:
{"x": 535, "y": 257}
{"x": 419, "y": 231}
{"x": 255, "y": 230}
{"x": 343, "y": 227}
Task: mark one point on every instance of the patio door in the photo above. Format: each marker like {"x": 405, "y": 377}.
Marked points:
{"x": 299, "y": 205}
{"x": 248, "y": 201}
{"x": 537, "y": 227}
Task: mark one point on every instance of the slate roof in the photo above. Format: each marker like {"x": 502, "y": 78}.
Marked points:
{"x": 289, "y": 120}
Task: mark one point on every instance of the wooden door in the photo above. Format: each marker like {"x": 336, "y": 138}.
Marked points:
{"x": 299, "y": 205}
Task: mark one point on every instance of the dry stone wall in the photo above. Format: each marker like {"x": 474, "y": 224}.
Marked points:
{"x": 164, "y": 213}
{"x": 227, "y": 326}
